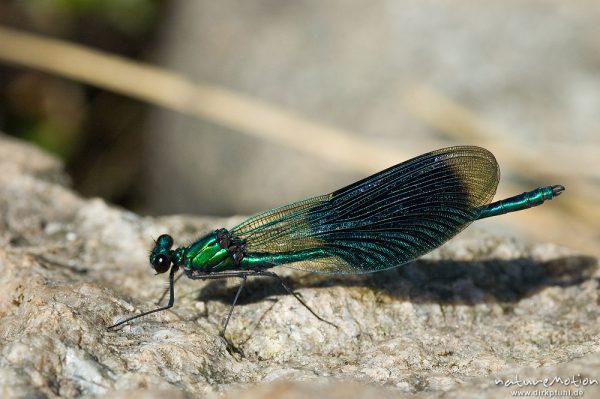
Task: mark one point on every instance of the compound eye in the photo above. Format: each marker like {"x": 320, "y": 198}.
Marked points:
{"x": 165, "y": 241}
{"x": 161, "y": 263}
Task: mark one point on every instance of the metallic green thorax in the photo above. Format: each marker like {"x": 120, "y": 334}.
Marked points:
{"x": 207, "y": 255}
{"x": 220, "y": 251}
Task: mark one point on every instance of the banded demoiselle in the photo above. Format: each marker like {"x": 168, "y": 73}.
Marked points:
{"x": 379, "y": 222}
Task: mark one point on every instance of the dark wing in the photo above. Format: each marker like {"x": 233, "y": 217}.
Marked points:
{"x": 382, "y": 221}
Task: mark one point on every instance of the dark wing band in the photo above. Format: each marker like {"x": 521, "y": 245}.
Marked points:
{"x": 383, "y": 220}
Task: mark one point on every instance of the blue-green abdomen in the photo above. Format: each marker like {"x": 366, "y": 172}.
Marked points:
{"x": 260, "y": 260}
{"x": 519, "y": 202}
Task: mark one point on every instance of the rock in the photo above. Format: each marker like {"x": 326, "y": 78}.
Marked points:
{"x": 479, "y": 309}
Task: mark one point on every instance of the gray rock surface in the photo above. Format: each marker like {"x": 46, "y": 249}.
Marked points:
{"x": 479, "y": 309}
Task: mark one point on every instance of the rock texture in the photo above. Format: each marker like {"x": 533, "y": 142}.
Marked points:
{"x": 479, "y": 309}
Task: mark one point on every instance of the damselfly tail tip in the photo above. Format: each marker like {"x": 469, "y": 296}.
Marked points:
{"x": 557, "y": 189}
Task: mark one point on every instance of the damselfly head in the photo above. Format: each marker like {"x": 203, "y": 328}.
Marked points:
{"x": 165, "y": 241}
{"x": 160, "y": 257}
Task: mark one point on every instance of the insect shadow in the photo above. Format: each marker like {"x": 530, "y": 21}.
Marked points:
{"x": 425, "y": 281}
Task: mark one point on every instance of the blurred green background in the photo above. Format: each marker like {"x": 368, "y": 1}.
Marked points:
{"x": 392, "y": 78}
{"x": 97, "y": 133}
